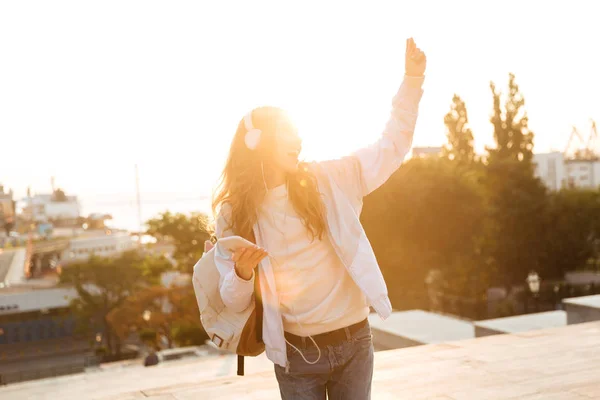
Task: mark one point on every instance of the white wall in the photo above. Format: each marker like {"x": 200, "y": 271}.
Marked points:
{"x": 596, "y": 174}
{"x": 62, "y": 210}
{"x": 16, "y": 272}
{"x": 550, "y": 168}
{"x": 556, "y": 172}
{"x": 41, "y": 208}
{"x": 581, "y": 173}
{"x": 104, "y": 246}
{"x": 35, "y": 300}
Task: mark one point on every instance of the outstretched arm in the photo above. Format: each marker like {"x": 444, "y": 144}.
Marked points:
{"x": 370, "y": 167}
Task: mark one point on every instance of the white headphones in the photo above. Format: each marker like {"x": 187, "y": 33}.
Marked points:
{"x": 252, "y": 138}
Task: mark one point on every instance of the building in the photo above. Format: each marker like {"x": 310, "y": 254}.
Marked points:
{"x": 56, "y": 207}
{"x": 583, "y": 173}
{"x": 108, "y": 245}
{"x": 31, "y": 310}
{"x": 29, "y": 315}
{"x": 578, "y": 166}
{"x": 558, "y": 172}
{"x": 550, "y": 168}
{"x": 7, "y": 210}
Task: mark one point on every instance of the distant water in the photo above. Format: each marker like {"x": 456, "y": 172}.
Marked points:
{"x": 123, "y": 207}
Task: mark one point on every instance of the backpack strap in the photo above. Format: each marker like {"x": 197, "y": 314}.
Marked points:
{"x": 258, "y": 305}
{"x": 259, "y": 318}
{"x": 240, "y": 365}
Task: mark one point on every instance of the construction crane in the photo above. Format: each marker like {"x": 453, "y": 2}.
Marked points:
{"x": 585, "y": 150}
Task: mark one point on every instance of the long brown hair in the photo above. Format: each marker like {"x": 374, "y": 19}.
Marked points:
{"x": 242, "y": 182}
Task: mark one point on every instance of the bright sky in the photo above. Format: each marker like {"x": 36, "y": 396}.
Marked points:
{"x": 88, "y": 89}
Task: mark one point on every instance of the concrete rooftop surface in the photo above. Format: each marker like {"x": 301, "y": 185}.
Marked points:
{"x": 550, "y": 364}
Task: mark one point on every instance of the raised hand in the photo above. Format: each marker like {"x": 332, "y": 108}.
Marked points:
{"x": 415, "y": 59}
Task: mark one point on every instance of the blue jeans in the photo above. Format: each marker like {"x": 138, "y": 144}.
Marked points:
{"x": 344, "y": 371}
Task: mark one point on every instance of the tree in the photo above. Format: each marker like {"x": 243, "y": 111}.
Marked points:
{"x": 59, "y": 195}
{"x": 514, "y": 140}
{"x": 516, "y": 199}
{"x": 427, "y": 217}
{"x": 167, "y": 311}
{"x": 572, "y": 233}
{"x": 104, "y": 284}
{"x": 187, "y": 233}
{"x": 460, "y": 137}
{"x": 516, "y": 220}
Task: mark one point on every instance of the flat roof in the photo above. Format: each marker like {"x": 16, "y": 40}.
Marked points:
{"x": 588, "y": 301}
{"x": 15, "y": 274}
{"x": 15, "y": 302}
{"x": 423, "y": 326}
{"x": 6, "y": 258}
{"x": 527, "y": 322}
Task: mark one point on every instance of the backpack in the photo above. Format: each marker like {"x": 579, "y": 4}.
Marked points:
{"x": 236, "y": 332}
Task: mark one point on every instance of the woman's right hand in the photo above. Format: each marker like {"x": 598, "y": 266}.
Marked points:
{"x": 246, "y": 259}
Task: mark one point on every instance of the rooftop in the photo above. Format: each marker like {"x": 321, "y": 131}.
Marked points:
{"x": 527, "y": 322}
{"x": 587, "y": 301}
{"x": 550, "y": 364}
{"x": 423, "y": 327}
{"x": 6, "y": 258}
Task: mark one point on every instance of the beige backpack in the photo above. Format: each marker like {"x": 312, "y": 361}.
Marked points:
{"x": 237, "y": 332}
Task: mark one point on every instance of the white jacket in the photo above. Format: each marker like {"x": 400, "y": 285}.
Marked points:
{"x": 343, "y": 183}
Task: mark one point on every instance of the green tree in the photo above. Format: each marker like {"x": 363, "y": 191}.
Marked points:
{"x": 516, "y": 221}
{"x": 104, "y": 284}
{"x": 188, "y": 330}
{"x": 573, "y": 230}
{"x": 514, "y": 140}
{"x": 59, "y": 195}
{"x": 427, "y": 217}
{"x": 168, "y": 311}
{"x": 516, "y": 200}
{"x": 460, "y": 146}
{"x": 186, "y": 232}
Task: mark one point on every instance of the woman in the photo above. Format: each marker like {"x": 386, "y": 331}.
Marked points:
{"x": 320, "y": 275}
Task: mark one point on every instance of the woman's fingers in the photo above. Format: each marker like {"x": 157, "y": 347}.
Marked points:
{"x": 237, "y": 255}
{"x": 258, "y": 256}
{"x": 249, "y": 256}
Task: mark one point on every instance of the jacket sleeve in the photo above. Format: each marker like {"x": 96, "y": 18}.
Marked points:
{"x": 236, "y": 292}
{"x": 370, "y": 167}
